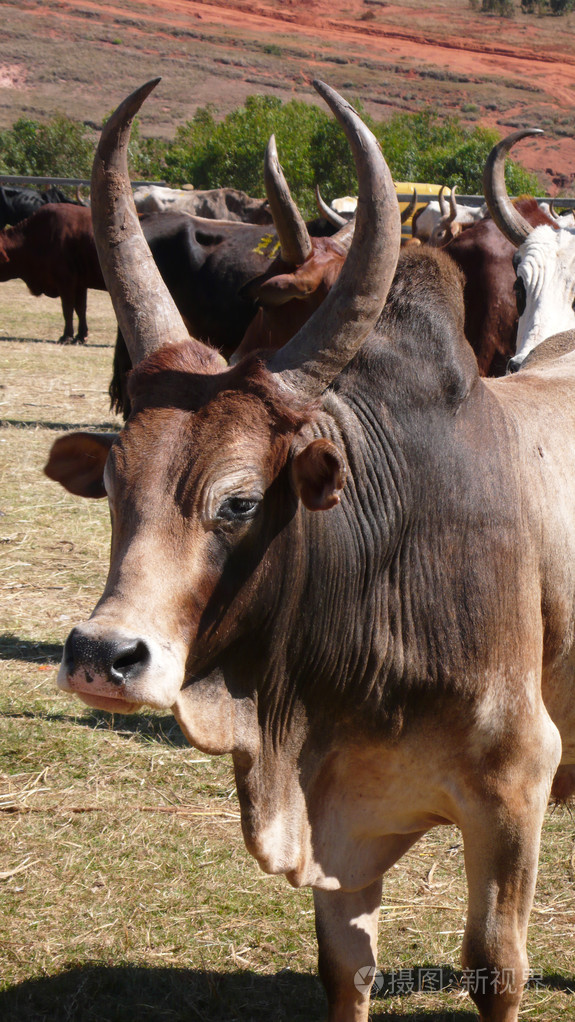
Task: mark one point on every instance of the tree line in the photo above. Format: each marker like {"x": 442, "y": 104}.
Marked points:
{"x": 212, "y": 152}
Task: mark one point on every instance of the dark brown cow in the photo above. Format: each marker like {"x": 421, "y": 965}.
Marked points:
{"x": 218, "y": 274}
{"x": 17, "y": 204}
{"x": 287, "y": 295}
{"x": 351, "y": 567}
{"x": 54, "y": 253}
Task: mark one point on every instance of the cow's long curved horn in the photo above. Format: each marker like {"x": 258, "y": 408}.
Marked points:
{"x": 326, "y": 211}
{"x": 443, "y": 203}
{"x": 326, "y": 343}
{"x": 344, "y": 236}
{"x": 410, "y": 208}
{"x": 511, "y": 224}
{"x": 452, "y": 206}
{"x": 146, "y": 312}
{"x": 292, "y": 232}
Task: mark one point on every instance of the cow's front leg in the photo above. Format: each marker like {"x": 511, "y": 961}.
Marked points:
{"x": 80, "y": 304}
{"x": 68, "y": 311}
{"x": 346, "y": 926}
{"x": 501, "y": 835}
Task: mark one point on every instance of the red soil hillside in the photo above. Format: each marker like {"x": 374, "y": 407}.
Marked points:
{"x": 82, "y": 56}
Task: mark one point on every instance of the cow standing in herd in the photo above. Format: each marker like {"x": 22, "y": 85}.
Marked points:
{"x": 239, "y": 286}
{"x": 54, "y": 253}
{"x": 17, "y": 204}
{"x": 543, "y": 261}
{"x": 210, "y": 204}
{"x": 351, "y": 565}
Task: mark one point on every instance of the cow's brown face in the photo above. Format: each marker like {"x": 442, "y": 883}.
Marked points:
{"x": 200, "y": 483}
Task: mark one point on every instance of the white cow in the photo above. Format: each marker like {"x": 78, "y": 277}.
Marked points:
{"x": 544, "y": 262}
{"x": 212, "y": 203}
{"x": 158, "y": 198}
{"x": 545, "y": 288}
{"x": 346, "y": 204}
{"x": 440, "y": 221}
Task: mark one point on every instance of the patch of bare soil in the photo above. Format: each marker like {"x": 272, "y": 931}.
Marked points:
{"x": 81, "y": 56}
{"x": 12, "y": 76}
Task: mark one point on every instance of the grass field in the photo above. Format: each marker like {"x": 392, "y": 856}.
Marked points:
{"x": 126, "y": 892}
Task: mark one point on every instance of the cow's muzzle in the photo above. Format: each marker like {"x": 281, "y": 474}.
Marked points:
{"x": 514, "y": 365}
{"x": 115, "y": 667}
{"x": 120, "y": 661}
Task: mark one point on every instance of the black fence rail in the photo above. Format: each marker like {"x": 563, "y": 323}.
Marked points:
{"x": 74, "y": 182}
{"x": 61, "y": 182}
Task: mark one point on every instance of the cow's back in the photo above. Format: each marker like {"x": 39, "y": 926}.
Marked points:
{"x": 539, "y": 407}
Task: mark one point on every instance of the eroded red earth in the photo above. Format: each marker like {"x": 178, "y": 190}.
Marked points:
{"x": 529, "y": 54}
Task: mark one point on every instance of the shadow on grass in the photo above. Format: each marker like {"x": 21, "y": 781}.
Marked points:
{"x": 14, "y": 648}
{"x": 100, "y": 993}
{"x": 28, "y": 340}
{"x": 60, "y": 427}
{"x": 47, "y": 340}
{"x": 106, "y": 993}
{"x": 161, "y": 730}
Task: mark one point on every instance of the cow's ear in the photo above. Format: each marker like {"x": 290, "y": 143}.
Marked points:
{"x": 278, "y": 290}
{"x": 318, "y": 473}
{"x": 77, "y": 462}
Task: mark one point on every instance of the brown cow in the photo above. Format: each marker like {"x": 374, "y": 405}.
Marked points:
{"x": 54, "y": 253}
{"x": 239, "y": 286}
{"x": 353, "y": 568}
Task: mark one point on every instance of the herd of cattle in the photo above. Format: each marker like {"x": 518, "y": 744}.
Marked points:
{"x": 224, "y": 262}
{"x": 339, "y": 552}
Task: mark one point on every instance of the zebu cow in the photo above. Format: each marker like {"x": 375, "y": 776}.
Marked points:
{"x": 216, "y": 271}
{"x": 240, "y": 286}
{"x": 486, "y": 260}
{"x": 16, "y": 204}
{"x": 212, "y": 203}
{"x": 351, "y": 566}
{"x": 54, "y": 253}
{"x": 454, "y": 219}
{"x": 544, "y": 261}
{"x": 440, "y": 220}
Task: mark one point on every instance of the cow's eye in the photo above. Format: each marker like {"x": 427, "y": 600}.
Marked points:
{"x": 520, "y": 295}
{"x": 238, "y": 509}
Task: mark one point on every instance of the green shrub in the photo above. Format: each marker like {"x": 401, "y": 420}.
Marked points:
{"x": 504, "y": 8}
{"x": 211, "y": 153}
{"x": 542, "y": 7}
{"x": 61, "y": 147}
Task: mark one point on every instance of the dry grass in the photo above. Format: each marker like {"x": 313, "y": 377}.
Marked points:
{"x": 126, "y": 890}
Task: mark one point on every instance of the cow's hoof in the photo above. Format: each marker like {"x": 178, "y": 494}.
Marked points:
{"x": 66, "y": 339}
{"x": 79, "y": 340}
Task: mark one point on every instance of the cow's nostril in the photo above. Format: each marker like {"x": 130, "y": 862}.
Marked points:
{"x": 129, "y": 661}
{"x": 117, "y": 659}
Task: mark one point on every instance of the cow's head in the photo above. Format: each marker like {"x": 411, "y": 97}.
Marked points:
{"x": 213, "y": 467}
